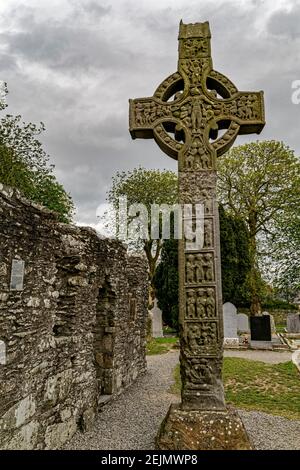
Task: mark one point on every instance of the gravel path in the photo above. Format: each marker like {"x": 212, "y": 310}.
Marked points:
{"x": 272, "y": 357}
{"x": 132, "y": 420}
{"x": 268, "y": 432}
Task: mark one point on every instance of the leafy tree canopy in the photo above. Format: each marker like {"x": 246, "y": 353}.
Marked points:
{"x": 25, "y": 166}
{"x": 147, "y": 187}
{"x": 260, "y": 182}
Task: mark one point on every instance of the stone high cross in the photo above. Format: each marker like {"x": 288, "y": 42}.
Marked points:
{"x": 195, "y": 104}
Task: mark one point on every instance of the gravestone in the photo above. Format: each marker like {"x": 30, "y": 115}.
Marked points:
{"x": 157, "y": 326}
{"x": 205, "y": 102}
{"x": 230, "y": 325}
{"x": 261, "y": 336}
{"x": 293, "y": 323}
{"x": 272, "y": 322}
{"x": 296, "y": 359}
{"x": 2, "y": 353}
{"x": 243, "y": 323}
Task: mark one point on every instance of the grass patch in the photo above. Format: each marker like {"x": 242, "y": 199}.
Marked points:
{"x": 161, "y": 345}
{"x": 168, "y": 330}
{"x": 281, "y": 328}
{"x": 176, "y": 386}
{"x": 255, "y": 385}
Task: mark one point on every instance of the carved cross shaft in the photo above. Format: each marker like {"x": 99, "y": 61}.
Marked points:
{"x": 196, "y": 104}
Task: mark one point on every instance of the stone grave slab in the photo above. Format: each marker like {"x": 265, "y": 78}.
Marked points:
{"x": 231, "y": 339}
{"x": 293, "y": 323}
{"x": 243, "y": 323}
{"x": 157, "y": 324}
{"x": 272, "y": 322}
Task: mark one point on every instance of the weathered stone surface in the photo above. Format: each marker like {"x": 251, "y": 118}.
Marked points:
{"x": 24, "y": 438}
{"x": 58, "y": 387}
{"x": 57, "y": 434}
{"x": 76, "y": 331}
{"x": 202, "y": 430}
{"x": 18, "y": 414}
{"x": 204, "y": 102}
{"x": 88, "y": 417}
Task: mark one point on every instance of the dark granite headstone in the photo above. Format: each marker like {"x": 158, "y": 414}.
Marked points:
{"x": 260, "y": 328}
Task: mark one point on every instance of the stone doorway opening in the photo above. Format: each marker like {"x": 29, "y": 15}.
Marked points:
{"x": 104, "y": 338}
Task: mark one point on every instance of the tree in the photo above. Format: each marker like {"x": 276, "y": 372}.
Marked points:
{"x": 13, "y": 171}
{"x": 166, "y": 283}
{"x": 235, "y": 258}
{"x": 235, "y": 265}
{"x": 146, "y": 187}
{"x": 25, "y": 165}
{"x": 260, "y": 182}
{"x": 286, "y": 259}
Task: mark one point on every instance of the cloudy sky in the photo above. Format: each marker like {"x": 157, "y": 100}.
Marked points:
{"x": 73, "y": 64}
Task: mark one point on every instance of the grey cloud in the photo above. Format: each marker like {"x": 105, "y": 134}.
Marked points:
{"x": 94, "y": 9}
{"x": 7, "y": 62}
{"x": 77, "y": 76}
{"x": 285, "y": 23}
{"x": 64, "y": 47}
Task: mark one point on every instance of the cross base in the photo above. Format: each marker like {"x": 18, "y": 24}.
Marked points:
{"x": 202, "y": 430}
{"x": 203, "y": 401}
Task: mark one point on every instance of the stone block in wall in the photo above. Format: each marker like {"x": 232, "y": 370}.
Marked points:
{"x": 24, "y": 438}
{"x": 57, "y": 434}
{"x": 58, "y": 387}
{"x": 87, "y": 419}
{"x": 18, "y": 414}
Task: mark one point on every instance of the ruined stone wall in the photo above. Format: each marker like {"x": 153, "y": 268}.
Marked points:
{"x": 279, "y": 315}
{"x": 75, "y": 332}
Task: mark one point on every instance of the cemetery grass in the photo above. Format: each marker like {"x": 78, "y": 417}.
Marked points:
{"x": 255, "y": 385}
{"x": 161, "y": 345}
{"x": 281, "y": 328}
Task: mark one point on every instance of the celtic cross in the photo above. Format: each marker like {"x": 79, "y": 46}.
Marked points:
{"x": 204, "y": 112}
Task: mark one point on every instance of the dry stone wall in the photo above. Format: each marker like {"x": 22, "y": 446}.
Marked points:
{"x": 72, "y": 328}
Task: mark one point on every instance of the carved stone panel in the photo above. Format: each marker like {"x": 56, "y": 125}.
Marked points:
{"x": 198, "y": 188}
{"x": 202, "y": 337}
{"x": 199, "y": 268}
{"x": 201, "y": 373}
{"x": 200, "y": 303}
